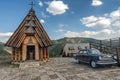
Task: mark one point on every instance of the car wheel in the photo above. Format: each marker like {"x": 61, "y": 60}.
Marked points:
{"x": 93, "y": 64}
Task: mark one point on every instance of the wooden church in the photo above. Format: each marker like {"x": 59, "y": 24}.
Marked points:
{"x": 30, "y": 41}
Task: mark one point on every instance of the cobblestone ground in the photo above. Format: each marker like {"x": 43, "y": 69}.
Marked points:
{"x": 58, "y": 69}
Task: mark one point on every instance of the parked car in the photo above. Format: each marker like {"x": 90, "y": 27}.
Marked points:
{"x": 95, "y": 58}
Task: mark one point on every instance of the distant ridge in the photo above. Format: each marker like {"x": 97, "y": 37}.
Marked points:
{"x": 3, "y": 49}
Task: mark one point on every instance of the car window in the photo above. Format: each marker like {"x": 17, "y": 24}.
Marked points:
{"x": 95, "y": 51}
{"x": 83, "y": 52}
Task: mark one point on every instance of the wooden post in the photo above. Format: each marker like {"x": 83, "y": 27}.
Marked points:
{"x": 45, "y": 53}
{"x": 15, "y": 55}
{"x": 41, "y": 53}
{"x": 110, "y": 50}
{"x": 12, "y": 58}
{"x": 37, "y": 52}
{"x": 19, "y": 55}
{"x": 119, "y": 42}
{"x": 118, "y": 55}
{"x": 90, "y": 45}
{"x": 100, "y": 46}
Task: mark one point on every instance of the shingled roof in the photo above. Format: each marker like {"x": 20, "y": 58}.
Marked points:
{"x": 29, "y": 26}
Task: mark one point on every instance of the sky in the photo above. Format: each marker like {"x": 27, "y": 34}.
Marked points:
{"x": 99, "y": 19}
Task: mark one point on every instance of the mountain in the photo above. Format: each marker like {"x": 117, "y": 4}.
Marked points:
{"x": 3, "y": 49}
{"x": 57, "y": 45}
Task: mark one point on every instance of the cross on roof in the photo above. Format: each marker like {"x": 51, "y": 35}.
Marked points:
{"x": 32, "y": 4}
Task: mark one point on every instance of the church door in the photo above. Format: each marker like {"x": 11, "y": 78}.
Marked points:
{"x": 30, "y": 52}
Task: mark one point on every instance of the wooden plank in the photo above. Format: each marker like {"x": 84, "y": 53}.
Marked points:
{"x": 41, "y": 53}
{"x": 47, "y": 53}
{"x": 19, "y": 40}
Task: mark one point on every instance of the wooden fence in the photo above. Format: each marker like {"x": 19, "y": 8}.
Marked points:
{"x": 111, "y": 46}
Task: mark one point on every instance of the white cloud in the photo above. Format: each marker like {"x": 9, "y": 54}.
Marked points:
{"x": 42, "y": 21}
{"x": 5, "y": 36}
{"x": 96, "y": 2}
{"x": 60, "y": 30}
{"x": 57, "y": 7}
{"x": 93, "y": 21}
{"x": 116, "y": 24}
{"x": 89, "y": 19}
{"x": 93, "y": 34}
{"x": 108, "y": 20}
{"x": 40, "y": 3}
{"x": 115, "y": 14}
{"x": 80, "y": 34}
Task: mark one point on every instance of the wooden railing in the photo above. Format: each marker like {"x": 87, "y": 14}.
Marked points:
{"x": 111, "y": 46}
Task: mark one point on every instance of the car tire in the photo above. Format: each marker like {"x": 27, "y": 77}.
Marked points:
{"x": 93, "y": 64}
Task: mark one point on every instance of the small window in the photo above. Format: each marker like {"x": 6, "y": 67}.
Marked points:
{"x": 79, "y": 48}
{"x": 71, "y": 48}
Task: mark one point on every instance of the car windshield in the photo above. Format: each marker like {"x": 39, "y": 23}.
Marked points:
{"x": 95, "y": 51}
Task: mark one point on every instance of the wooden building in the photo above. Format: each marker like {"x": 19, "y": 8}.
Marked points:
{"x": 30, "y": 41}
{"x": 70, "y": 49}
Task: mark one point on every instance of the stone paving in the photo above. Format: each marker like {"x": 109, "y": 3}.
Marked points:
{"x": 58, "y": 69}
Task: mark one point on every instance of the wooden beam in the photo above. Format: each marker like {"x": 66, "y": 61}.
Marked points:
{"x": 44, "y": 53}
{"x": 13, "y": 54}
{"x": 41, "y": 53}
{"x": 47, "y": 53}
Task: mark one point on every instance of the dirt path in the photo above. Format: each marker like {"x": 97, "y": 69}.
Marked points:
{"x": 59, "y": 69}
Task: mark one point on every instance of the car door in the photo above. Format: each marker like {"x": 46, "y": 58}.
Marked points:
{"x": 85, "y": 56}
{"x": 80, "y": 55}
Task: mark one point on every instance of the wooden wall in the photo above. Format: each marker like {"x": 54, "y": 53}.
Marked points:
{"x": 20, "y": 54}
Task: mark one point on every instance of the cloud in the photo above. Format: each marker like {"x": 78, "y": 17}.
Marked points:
{"x": 42, "y": 21}
{"x": 115, "y": 14}
{"x": 104, "y": 21}
{"x": 61, "y": 25}
{"x": 89, "y": 19}
{"x": 93, "y": 21}
{"x": 94, "y": 34}
{"x": 116, "y": 24}
{"x": 60, "y": 30}
{"x": 44, "y": 15}
{"x": 5, "y": 36}
{"x": 57, "y": 7}
{"x": 96, "y": 2}
{"x": 40, "y": 3}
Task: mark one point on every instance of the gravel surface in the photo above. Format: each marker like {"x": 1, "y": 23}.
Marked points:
{"x": 57, "y": 69}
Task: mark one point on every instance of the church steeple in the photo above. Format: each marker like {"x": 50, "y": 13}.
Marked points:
{"x": 31, "y": 11}
{"x": 32, "y": 4}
